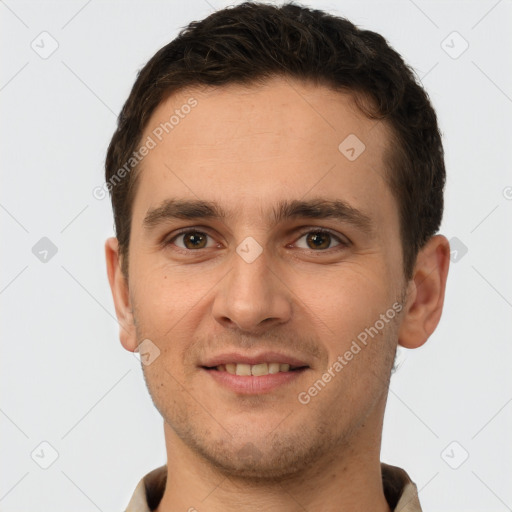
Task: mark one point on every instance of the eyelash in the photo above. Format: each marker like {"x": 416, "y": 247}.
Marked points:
{"x": 342, "y": 243}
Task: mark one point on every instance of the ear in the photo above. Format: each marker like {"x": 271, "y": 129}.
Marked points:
{"x": 425, "y": 294}
{"x": 121, "y": 295}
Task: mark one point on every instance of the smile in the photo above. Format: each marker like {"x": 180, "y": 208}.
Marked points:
{"x": 256, "y": 370}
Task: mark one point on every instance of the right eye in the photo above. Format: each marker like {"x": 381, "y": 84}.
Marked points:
{"x": 190, "y": 239}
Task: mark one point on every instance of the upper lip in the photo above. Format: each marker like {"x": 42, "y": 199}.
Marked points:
{"x": 261, "y": 357}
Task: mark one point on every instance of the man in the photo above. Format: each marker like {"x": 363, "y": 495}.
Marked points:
{"x": 277, "y": 183}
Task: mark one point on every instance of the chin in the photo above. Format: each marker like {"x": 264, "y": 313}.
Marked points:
{"x": 263, "y": 468}
{"x": 266, "y": 459}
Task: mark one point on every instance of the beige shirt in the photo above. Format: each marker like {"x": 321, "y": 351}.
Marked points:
{"x": 400, "y": 491}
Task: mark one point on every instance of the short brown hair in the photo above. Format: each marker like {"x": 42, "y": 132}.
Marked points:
{"x": 251, "y": 42}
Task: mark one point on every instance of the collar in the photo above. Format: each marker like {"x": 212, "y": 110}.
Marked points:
{"x": 400, "y": 491}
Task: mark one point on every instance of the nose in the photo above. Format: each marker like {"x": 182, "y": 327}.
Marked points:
{"x": 252, "y": 297}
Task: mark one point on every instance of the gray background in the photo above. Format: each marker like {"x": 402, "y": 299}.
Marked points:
{"x": 65, "y": 379}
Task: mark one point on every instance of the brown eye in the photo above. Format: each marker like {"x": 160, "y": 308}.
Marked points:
{"x": 192, "y": 240}
{"x": 320, "y": 240}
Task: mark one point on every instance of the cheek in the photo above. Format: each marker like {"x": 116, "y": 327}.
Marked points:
{"x": 359, "y": 342}
{"x": 170, "y": 305}
{"x": 358, "y": 339}
{"x": 346, "y": 301}
{"x": 164, "y": 298}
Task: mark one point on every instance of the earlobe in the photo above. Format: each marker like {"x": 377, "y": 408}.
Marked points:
{"x": 121, "y": 295}
{"x": 426, "y": 293}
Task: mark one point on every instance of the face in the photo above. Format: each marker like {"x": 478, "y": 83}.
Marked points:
{"x": 290, "y": 255}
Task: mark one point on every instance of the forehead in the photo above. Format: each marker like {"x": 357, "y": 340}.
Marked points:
{"x": 282, "y": 112}
{"x": 284, "y": 139}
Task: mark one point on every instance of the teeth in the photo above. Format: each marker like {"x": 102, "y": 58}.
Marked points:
{"x": 273, "y": 368}
{"x": 254, "y": 369}
{"x": 243, "y": 369}
{"x": 259, "y": 369}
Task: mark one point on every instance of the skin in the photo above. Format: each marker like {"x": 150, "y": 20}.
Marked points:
{"x": 249, "y": 148}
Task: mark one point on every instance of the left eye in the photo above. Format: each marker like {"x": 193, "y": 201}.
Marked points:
{"x": 319, "y": 239}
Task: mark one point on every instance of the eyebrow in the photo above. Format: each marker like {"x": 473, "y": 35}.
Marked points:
{"x": 195, "y": 209}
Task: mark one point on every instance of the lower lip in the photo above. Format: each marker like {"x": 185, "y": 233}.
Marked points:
{"x": 251, "y": 385}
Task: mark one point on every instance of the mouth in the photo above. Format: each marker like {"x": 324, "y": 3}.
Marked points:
{"x": 260, "y": 373}
{"x": 256, "y": 370}
{"x": 254, "y": 379}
